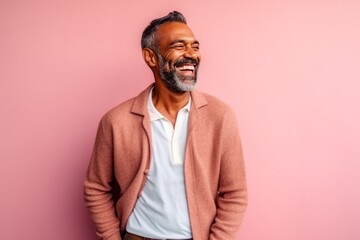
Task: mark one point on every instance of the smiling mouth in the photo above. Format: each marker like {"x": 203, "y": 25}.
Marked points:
{"x": 186, "y": 69}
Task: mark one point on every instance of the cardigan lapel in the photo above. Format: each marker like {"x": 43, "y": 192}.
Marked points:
{"x": 139, "y": 107}
{"x": 198, "y": 101}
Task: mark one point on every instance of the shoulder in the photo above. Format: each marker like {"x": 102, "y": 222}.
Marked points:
{"x": 214, "y": 117}
{"x": 118, "y": 113}
{"x": 212, "y": 105}
{"x": 129, "y": 109}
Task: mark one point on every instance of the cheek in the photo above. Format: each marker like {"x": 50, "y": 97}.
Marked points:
{"x": 168, "y": 64}
{"x": 171, "y": 57}
{"x": 199, "y": 56}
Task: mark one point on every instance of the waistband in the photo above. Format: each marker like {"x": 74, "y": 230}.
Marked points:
{"x": 131, "y": 236}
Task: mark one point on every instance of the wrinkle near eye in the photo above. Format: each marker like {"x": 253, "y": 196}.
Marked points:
{"x": 168, "y": 53}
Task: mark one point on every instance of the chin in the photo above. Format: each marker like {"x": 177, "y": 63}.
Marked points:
{"x": 186, "y": 87}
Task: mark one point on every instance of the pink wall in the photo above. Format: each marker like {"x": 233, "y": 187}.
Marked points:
{"x": 290, "y": 70}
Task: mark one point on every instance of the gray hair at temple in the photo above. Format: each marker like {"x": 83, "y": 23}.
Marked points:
{"x": 149, "y": 34}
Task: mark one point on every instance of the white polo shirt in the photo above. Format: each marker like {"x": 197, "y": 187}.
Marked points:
{"x": 161, "y": 210}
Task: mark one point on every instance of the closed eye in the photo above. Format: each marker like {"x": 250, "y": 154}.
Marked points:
{"x": 178, "y": 46}
{"x": 196, "y": 46}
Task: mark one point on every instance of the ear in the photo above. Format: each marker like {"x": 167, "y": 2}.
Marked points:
{"x": 149, "y": 57}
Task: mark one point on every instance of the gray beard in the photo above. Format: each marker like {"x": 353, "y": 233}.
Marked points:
{"x": 173, "y": 82}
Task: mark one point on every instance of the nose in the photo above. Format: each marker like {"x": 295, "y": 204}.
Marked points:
{"x": 192, "y": 53}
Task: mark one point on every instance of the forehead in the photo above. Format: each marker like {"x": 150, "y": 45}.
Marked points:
{"x": 174, "y": 31}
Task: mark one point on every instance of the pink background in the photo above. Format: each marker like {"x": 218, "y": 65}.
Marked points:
{"x": 290, "y": 70}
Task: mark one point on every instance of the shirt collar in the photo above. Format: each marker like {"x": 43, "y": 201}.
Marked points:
{"x": 155, "y": 114}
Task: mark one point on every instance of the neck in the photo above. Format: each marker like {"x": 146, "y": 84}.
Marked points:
{"x": 167, "y": 102}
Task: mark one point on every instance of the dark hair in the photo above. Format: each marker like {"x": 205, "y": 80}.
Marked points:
{"x": 148, "y": 36}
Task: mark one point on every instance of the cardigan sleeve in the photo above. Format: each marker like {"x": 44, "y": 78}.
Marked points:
{"x": 232, "y": 192}
{"x": 98, "y": 186}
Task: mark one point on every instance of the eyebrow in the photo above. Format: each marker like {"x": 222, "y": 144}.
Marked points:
{"x": 183, "y": 41}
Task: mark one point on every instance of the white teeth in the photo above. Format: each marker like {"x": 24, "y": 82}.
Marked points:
{"x": 186, "y": 67}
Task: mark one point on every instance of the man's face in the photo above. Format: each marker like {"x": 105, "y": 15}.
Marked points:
{"x": 178, "y": 55}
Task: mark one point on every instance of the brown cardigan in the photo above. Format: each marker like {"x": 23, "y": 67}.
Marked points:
{"x": 214, "y": 168}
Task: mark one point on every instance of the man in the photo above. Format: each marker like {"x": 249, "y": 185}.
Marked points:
{"x": 172, "y": 154}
